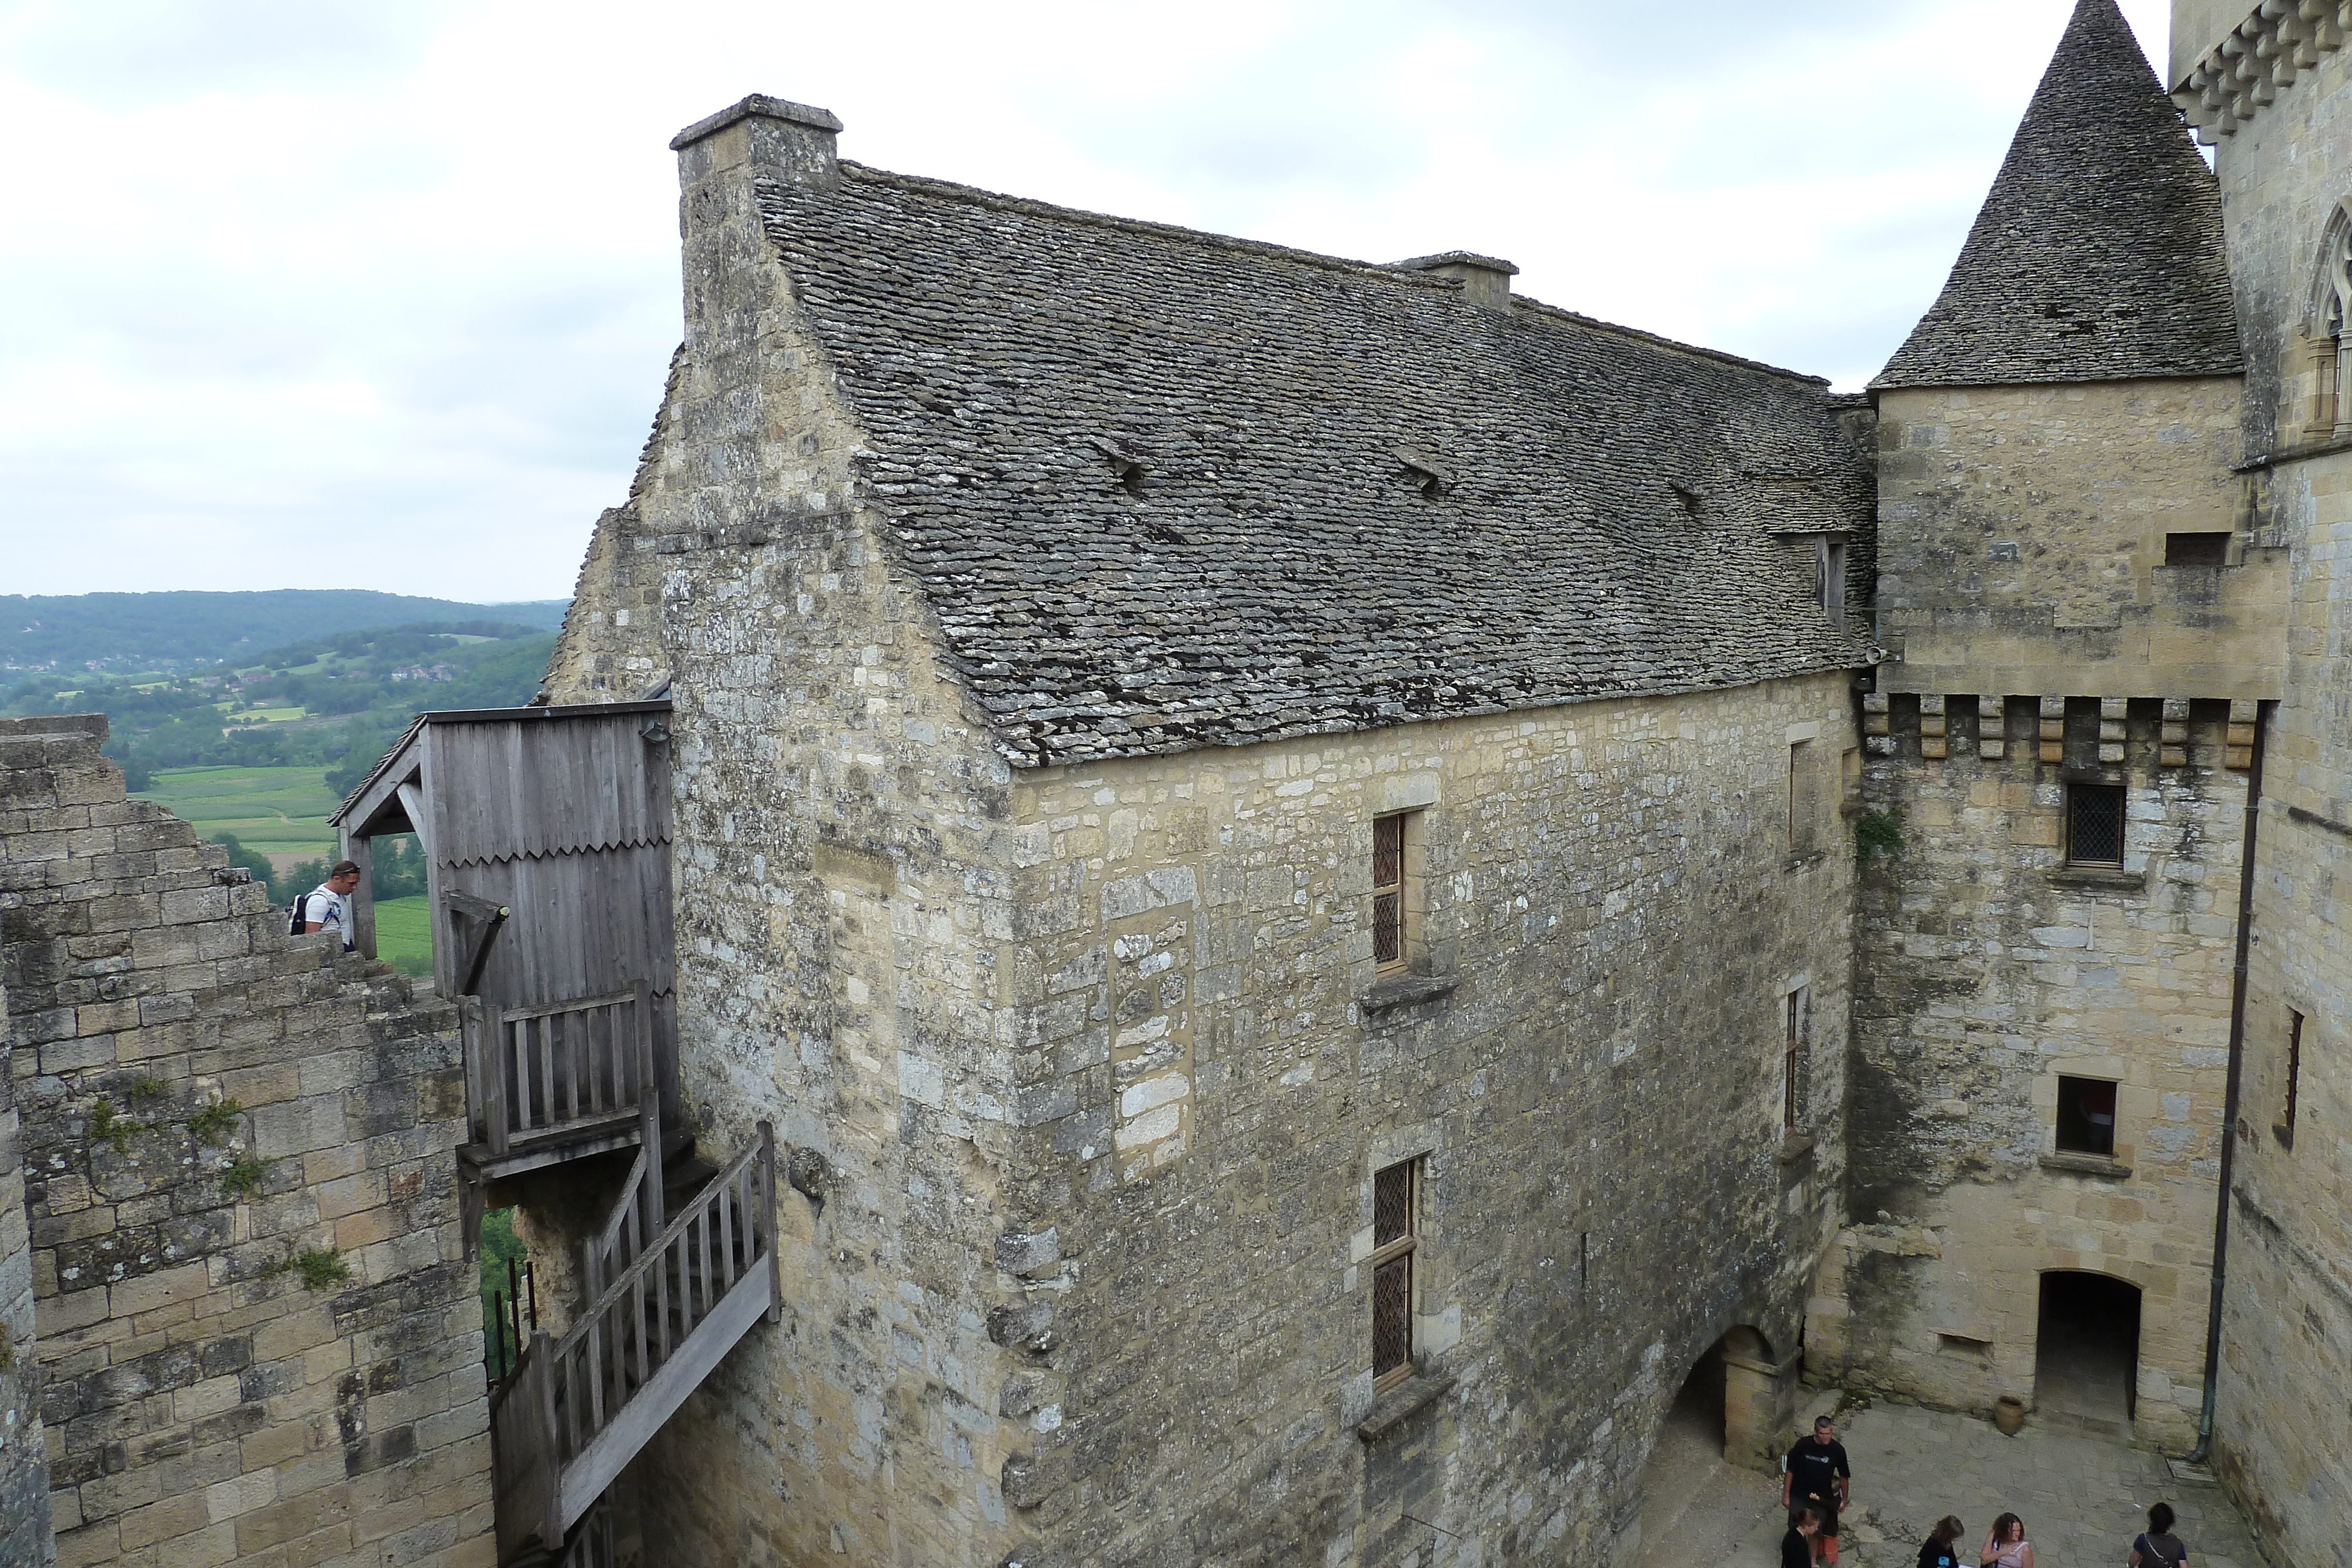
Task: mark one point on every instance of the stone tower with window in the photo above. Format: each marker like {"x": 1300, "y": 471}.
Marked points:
{"x": 2083, "y": 611}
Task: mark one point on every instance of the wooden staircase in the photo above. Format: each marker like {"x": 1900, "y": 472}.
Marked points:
{"x": 682, "y": 1269}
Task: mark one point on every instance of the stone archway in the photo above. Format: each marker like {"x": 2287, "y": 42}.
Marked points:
{"x": 2086, "y": 1352}
{"x": 1733, "y": 1414}
{"x": 1760, "y": 1399}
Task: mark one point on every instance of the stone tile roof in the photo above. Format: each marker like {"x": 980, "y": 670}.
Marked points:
{"x": 2099, "y": 253}
{"x": 1166, "y": 489}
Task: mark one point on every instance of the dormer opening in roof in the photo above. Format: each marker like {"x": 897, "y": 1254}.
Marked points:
{"x": 1125, "y": 465}
{"x": 1485, "y": 279}
{"x": 1428, "y": 472}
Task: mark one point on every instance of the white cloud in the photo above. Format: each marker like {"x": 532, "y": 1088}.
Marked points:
{"x": 312, "y": 293}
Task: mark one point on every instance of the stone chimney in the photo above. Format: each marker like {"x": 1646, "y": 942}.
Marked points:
{"x": 789, "y": 142}
{"x": 1485, "y": 279}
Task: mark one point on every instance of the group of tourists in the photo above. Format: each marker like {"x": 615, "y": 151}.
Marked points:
{"x": 1816, "y": 1483}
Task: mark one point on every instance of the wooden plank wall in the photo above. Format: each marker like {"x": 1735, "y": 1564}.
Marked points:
{"x": 566, "y": 822}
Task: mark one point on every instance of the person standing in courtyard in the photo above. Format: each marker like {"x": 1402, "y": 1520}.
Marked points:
{"x": 1942, "y": 1547}
{"x": 2007, "y": 1547}
{"x": 1815, "y": 1472}
{"x": 327, "y": 907}
{"x": 1797, "y": 1546}
{"x": 2159, "y": 1548}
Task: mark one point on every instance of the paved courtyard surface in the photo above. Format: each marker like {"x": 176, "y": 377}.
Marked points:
{"x": 2082, "y": 1496}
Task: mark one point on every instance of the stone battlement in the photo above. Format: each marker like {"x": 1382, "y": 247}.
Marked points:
{"x": 256, "y": 1329}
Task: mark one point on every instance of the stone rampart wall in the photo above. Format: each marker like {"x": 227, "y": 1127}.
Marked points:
{"x": 258, "y": 1338}
{"x": 25, "y": 1535}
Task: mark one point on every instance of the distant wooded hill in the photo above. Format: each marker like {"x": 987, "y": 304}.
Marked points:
{"x": 331, "y": 701}
{"x": 169, "y": 632}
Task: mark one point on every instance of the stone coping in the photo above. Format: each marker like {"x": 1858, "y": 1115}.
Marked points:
{"x": 1403, "y": 990}
{"x": 1401, "y": 1404}
{"x": 2085, "y": 1165}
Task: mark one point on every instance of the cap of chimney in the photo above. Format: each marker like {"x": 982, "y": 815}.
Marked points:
{"x": 1485, "y": 279}
{"x": 791, "y": 142}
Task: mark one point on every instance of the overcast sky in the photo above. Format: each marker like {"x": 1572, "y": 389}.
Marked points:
{"x": 320, "y": 294}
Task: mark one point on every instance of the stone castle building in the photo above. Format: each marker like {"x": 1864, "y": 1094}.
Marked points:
{"x": 1293, "y": 894}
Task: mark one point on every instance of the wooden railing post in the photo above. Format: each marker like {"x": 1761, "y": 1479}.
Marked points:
{"x": 768, "y": 1220}
{"x": 470, "y": 1033}
{"x": 493, "y": 1027}
{"x": 650, "y": 1109}
{"x": 542, "y": 1351}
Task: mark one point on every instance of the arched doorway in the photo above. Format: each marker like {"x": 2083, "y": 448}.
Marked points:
{"x": 1706, "y": 1479}
{"x": 2086, "y": 1352}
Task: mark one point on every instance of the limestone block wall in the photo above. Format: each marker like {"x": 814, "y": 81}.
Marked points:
{"x": 1987, "y": 968}
{"x": 842, "y": 918}
{"x": 24, "y": 1536}
{"x": 1587, "y": 1062}
{"x": 2283, "y": 1416}
{"x": 2021, "y": 543}
{"x": 610, "y": 647}
{"x": 258, "y": 1338}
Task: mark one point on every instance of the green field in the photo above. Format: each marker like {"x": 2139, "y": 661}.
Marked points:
{"x": 404, "y": 935}
{"x": 281, "y": 811}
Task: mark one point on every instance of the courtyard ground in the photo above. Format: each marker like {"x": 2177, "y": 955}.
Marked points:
{"x": 2082, "y": 1494}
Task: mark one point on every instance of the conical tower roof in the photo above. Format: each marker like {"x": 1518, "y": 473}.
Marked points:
{"x": 2098, "y": 255}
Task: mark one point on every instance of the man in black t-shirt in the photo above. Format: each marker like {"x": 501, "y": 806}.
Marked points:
{"x": 1815, "y": 1473}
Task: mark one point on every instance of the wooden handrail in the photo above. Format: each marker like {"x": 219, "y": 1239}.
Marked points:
{"x": 549, "y": 1071}
{"x": 622, "y": 1240}
{"x": 520, "y": 1015}
{"x": 763, "y": 1151}
{"x": 663, "y": 1323}
{"x": 577, "y": 1409}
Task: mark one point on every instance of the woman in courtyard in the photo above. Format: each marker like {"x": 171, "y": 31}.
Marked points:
{"x": 1942, "y": 1548}
{"x": 2007, "y": 1547}
{"x": 2159, "y": 1548}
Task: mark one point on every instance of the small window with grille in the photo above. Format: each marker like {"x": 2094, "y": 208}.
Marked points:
{"x": 2095, "y": 825}
{"x": 1396, "y": 1198}
{"x": 1792, "y": 1059}
{"x": 2086, "y": 1116}
{"x": 1391, "y": 908}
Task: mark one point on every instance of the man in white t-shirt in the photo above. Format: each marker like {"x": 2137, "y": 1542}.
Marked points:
{"x": 327, "y": 907}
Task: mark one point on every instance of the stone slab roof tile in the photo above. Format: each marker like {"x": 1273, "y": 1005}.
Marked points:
{"x": 1167, "y": 489}
{"x": 2099, "y": 253}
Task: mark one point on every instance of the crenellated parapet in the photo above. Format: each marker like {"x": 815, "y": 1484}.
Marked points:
{"x": 2062, "y": 731}
{"x": 2243, "y": 73}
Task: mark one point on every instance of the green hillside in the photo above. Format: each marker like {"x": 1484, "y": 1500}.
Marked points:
{"x": 122, "y": 633}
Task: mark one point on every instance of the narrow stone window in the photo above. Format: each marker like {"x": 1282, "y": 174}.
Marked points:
{"x": 2086, "y": 1116}
{"x": 2095, "y": 825}
{"x": 1805, "y": 797}
{"x": 2285, "y": 1127}
{"x": 1391, "y": 910}
{"x": 2197, "y": 550}
{"x": 1396, "y": 1198}
{"x": 2326, "y": 370}
{"x": 1796, "y": 1005}
{"x": 1829, "y": 566}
